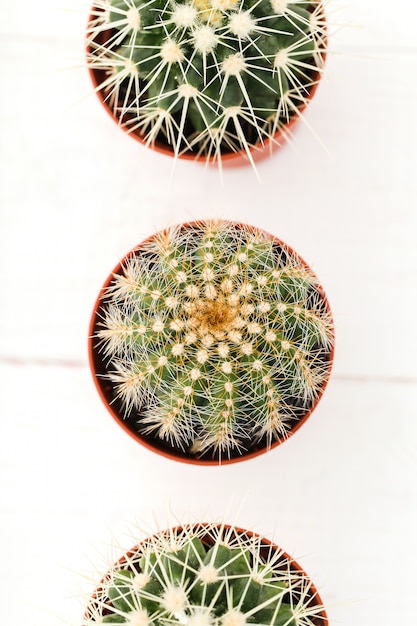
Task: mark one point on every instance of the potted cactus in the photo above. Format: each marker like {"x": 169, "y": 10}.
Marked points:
{"x": 207, "y": 79}
{"x": 211, "y": 342}
{"x": 206, "y": 575}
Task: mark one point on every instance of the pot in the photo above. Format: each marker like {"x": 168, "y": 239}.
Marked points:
{"x": 173, "y": 558}
{"x": 258, "y": 148}
{"x": 136, "y": 422}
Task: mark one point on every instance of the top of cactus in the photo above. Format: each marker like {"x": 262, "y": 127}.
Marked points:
{"x": 206, "y": 575}
{"x": 215, "y": 336}
{"x": 252, "y": 66}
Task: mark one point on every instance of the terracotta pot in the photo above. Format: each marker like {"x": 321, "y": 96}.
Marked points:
{"x": 99, "y": 368}
{"x": 229, "y": 159}
{"x": 283, "y": 566}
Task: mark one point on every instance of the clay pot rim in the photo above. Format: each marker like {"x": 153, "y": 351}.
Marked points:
{"x": 147, "y": 442}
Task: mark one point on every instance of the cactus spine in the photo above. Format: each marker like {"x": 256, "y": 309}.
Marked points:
{"x": 206, "y": 76}
{"x": 216, "y": 336}
{"x": 206, "y": 576}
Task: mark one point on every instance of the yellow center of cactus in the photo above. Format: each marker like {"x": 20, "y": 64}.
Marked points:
{"x": 216, "y": 316}
{"x": 224, "y": 5}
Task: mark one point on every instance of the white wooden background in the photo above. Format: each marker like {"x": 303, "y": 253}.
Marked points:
{"x": 77, "y": 193}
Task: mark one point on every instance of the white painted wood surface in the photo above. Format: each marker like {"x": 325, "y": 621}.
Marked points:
{"x": 77, "y": 193}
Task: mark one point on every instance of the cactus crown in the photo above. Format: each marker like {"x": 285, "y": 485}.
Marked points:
{"x": 215, "y": 336}
{"x": 206, "y": 576}
{"x": 206, "y": 76}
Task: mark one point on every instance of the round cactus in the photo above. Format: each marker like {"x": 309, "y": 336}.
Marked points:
{"x": 206, "y": 77}
{"x": 206, "y": 575}
{"x": 215, "y": 338}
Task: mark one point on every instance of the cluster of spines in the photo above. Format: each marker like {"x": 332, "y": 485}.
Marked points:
{"x": 216, "y": 335}
{"x": 205, "y": 575}
{"x": 207, "y": 75}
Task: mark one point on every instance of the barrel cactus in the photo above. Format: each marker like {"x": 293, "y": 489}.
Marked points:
{"x": 206, "y": 575}
{"x": 214, "y": 339}
{"x": 206, "y": 77}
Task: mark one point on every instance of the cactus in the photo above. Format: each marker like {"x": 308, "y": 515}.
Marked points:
{"x": 206, "y": 77}
{"x": 206, "y": 575}
{"x": 216, "y": 337}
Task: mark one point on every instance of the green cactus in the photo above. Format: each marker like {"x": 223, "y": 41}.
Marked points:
{"x": 207, "y": 77}
{"x": 216, "y": 338}
{"x": 206, "y": 575}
